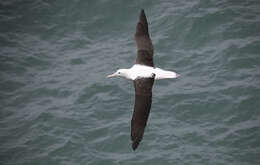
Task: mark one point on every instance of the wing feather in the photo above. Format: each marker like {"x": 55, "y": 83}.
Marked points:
{"x": 143, "y": 42}
{"x": 143, "y": 101}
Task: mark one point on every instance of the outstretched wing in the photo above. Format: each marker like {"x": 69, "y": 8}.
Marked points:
{"x": 143, "y": 42}
{"x": 143, "y": 101}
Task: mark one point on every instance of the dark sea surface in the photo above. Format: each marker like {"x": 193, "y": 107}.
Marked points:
{"x": 58, "y": 108}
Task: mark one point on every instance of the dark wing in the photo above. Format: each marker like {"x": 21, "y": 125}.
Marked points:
{"x": 143, "y": 101}
{"x": 143, "y": 42}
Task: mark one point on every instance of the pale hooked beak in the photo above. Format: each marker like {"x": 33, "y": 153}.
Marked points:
{"x": 177, "y": 75}
{"x": 111, "y": 75}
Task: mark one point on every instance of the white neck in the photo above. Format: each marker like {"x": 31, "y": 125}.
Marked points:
{"x": 125, "y": 73}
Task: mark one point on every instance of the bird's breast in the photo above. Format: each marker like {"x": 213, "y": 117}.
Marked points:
{"x": 141, "y": 71}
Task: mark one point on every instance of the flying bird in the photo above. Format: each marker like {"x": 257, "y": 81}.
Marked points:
{"x": 143, "y": 73}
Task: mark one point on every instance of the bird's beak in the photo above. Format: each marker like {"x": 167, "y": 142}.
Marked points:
{"x": 177, "y": 75}
{"x": 111, "y": 75}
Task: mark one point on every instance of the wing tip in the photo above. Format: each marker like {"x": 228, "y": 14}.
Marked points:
{"x": 142, "y": 15}
{"x": 142, "y": 25}
{"x": 135, "y": 145}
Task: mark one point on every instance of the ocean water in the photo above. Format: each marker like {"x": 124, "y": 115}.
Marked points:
{"x": 57, "y": 106}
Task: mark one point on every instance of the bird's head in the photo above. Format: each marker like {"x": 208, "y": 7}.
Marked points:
{"x": 118, "y": 73}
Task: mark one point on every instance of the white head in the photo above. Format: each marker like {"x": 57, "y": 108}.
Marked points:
{"x": 119, "y": 73}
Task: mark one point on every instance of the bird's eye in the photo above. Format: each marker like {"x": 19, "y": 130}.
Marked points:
{"x": 118, "y": 72}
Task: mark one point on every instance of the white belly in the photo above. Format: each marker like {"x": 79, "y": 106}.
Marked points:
{"x": 138, "y": 71}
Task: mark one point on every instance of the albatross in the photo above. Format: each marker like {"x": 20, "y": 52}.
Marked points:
{"x": 143, "y": 73}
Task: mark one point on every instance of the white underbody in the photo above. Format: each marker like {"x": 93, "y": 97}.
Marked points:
{"x": 142, "y": 71}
